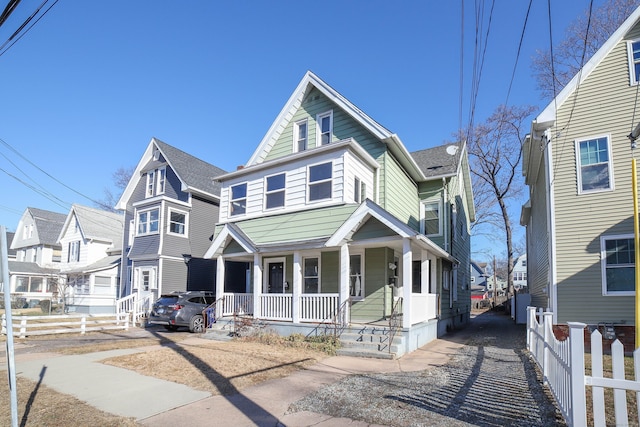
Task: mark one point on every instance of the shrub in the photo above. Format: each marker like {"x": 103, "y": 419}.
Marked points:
{"x": 45, "y": 306}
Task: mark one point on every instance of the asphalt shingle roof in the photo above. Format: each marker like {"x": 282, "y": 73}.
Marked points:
{"x": 48, "y": 225}
{"x": 196, "y": 173}
{"x": 438, "y": 161}
{"x": 100, "y": 225}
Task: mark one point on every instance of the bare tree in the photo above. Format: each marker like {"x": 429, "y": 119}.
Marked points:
{"x": 495, "y": 154}
{"x": 583, "y": 37}
{"x": 121, "y": 178}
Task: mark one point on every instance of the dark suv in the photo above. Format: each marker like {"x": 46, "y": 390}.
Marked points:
{"x": 181, "y": 309}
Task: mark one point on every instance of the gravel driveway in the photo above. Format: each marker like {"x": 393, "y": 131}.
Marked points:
{"x": 490, "y": 382}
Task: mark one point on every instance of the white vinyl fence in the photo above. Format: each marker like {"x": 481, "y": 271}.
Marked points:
{"x": 64, "y": 324}
{"x": 563, "y": 368}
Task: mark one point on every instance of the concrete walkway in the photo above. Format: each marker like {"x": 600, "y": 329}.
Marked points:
{"x": 162, "y": 403}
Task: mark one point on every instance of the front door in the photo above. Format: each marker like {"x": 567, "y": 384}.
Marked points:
{"x": 275, "y": 280}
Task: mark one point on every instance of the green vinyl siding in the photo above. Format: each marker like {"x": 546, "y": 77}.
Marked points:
{"x": 297, "y": 226}
{"x": 344, "y": 126}
{"x": 399, "y": 193}
{"x": 376, "y": 276}
{"x": 330, "y": 276}
{"x": 604, "y": 106}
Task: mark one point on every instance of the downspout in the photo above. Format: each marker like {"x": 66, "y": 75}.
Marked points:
{"x": 553, "y": 275}
{"x": 445, "y": 218}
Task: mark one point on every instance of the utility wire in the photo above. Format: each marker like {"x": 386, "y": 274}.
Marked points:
{"x": 8, "y": 10}
{"x": 515, "y": 66}
{"x": 24, "y": 24}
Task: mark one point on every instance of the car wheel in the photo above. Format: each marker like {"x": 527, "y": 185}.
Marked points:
{"x": 171, "y": 327}
{"x": 196, "y": 324}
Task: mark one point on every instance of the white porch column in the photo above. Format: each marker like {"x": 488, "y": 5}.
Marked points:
{"x": 344, "y": 281}
{"x": 424, "y": 272}
{"x": 220, "y": 272}
{"x": 297, "y": 286}
{"x": 407, "y": 257}
{"x": 257, "y": 285}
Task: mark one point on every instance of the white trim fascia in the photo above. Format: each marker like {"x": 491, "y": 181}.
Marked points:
{"x": 549, "y": 113}
{"x": 296, "y": 97}
{"x": 398, "y": 149}
{"x": 135, "y": 177}
{"x": 229, "y": 231}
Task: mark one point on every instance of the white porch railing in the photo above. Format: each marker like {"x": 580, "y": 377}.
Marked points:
{"x": 423, "y": 307}
{"x": 318, "y": 307}
{"x": 236, "y": 303}
{"x": 276, "y": 306}
{"x": 563, "y": 368}
{"x": 138, "y": 306}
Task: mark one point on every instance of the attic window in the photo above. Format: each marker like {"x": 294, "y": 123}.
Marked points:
{"x": 633, "y": 48}
{"x": 156, "y": 155}
{"x": 324, "y": 123}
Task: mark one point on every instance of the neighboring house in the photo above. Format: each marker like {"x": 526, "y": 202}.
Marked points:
{"x": 577, "y": 165}
{"x": 34, "y": 275}
{"x": 478, "y": 276}
{"x": 334, "y": 218}
{"x": 91, "y": 241}
{"x": 520, "y": 273}
{"x": 498, "y": 283}
{"x": 171, "y": 206}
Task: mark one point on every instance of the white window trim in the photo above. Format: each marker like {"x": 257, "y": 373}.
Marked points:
{"x": 423, "y": 228}
{"x": 309, "y": 183}
{"x": 579, "y": 165}
{"x": 148, "y": 233}
{"x": 231, "y": 199}
{"x": 319, "y": 258}
{"x": 186, "y": 222}
{"x": 296, "y": 133}
{"x": 603, "y": 264}
{"x": 632, "y": 71}
{"x": 267, "y": 192}
{"x": 362, "y": 275}
{"x": 151, "y": 184}
{"x": 319, "y": 118}
{"x": 161, "y": 184}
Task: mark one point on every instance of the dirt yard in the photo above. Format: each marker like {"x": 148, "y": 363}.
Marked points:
{"x": 216, "y": 367}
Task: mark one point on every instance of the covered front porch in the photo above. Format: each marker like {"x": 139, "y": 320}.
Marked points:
{"x": 370, "y": 268}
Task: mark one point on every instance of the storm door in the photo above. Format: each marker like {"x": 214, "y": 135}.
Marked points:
{"x": 275, "y": 277}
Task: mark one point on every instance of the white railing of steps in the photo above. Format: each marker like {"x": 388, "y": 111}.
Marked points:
{"x": 138, "y": 306}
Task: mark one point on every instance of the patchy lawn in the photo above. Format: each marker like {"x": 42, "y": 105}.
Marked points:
{"x": 221, "y": 368}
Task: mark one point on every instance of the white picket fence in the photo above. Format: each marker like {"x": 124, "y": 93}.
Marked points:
{"x": 24, "y": 326}
{"x": 563, "y": 368}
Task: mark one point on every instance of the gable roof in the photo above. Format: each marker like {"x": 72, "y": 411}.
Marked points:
{"x": 548, "y": 115}
{"x": 196, "y": 176}
{"x": 310, "y": 81}
{"x": 441, "y": 161}
{"x": 47, "y": 225}
{"x": 96, "y": 224}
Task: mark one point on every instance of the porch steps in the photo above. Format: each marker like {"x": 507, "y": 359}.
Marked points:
{"x": 219, "y": 331}
{"x": 369, "y": 341}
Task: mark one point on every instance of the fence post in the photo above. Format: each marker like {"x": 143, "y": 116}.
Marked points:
{"x": 23, "y": 327}
{"x": 126, "y": 322}
{"x": 4, "y": 324}
{"x": 578, "y": 409}
{"x": 531, "y": 312}
{"x": 83, "y": 324}
{"x": 547, "y": 321}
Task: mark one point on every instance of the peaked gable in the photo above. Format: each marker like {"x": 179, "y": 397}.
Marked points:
{"x": 46, "y": 228}
{"x": 95, "y": 224}
{"x": 195, "y": 175}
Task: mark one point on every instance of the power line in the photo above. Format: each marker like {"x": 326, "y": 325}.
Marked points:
{"x": 19, "y": 33}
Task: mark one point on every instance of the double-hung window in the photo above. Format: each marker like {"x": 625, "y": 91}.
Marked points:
{"x": 300, "y": 134}
{"x": 320, "y": 181}
{"x": 148, "y": 221}
{"x": 595, "y": 169}
{"x": 73, "y": 254}
{"x": 238, "y": 199}
{"x": 325, "y": 128}
{"x": 633, "y": 48}
{"x": 618, "y": 264}
{"x": 432, "y": 219}
{"x": 151, "y": 182}
{"x": 177, "y": 222}
{"x": 311, "y": 275}
{"x": 275, "y": 191}
{"x": 162, "y": 179}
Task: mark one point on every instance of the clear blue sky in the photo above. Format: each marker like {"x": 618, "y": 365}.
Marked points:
{"x": 85, "y": 90}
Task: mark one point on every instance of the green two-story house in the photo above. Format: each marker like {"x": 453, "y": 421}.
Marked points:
{"x": 338, "y": 223}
